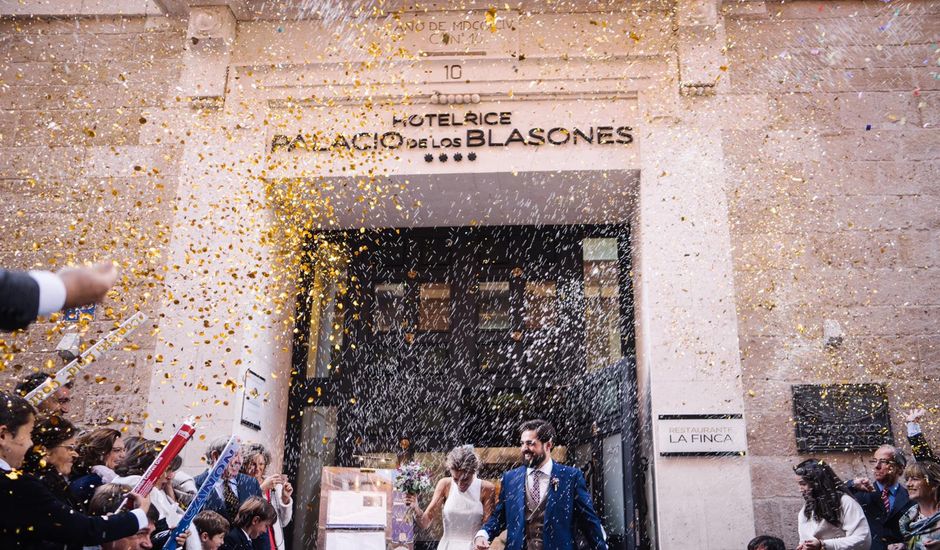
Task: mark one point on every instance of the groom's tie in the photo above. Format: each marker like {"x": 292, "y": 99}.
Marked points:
{"x": 536, "y": 493}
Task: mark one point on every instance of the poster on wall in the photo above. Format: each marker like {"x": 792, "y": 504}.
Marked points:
{"x": 356, "y": 510}
{"x": 252, "y": 400}
{"x": 360, "y": 540}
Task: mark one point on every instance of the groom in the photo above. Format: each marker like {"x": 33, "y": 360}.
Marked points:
{"x": 540, "y": 503}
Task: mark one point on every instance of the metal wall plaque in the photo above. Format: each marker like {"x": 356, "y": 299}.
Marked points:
{"x": 841, "y": 417}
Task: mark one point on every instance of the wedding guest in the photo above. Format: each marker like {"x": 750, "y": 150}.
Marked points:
{"x": 99, "y": 452}
{"x": 920, "y": 525}
{"x": 27, "y": 295}
{"x": 140, "y": 454}
{"x": 105, "y": 500}
{"x": 57, "y": 403}
{"x": 31, "y": 513}
{"x": 234, "y": 488}
{"x": 830, "y": 519}
{"x": 275, "y": 488}
{"x": 255, "y": 516}
{"x": 766, "y": 542}
{"x": 50, "y": 458}
{"x": 883, "y": 499}
{"x": 212, "y": 528}
{"x": 462, "y": 494}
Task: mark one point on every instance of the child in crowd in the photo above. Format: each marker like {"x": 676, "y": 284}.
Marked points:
{"x": 255, "y": 516}
{"x": 212, "y": 528}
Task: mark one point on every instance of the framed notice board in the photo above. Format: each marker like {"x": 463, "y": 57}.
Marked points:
{"x": 359, "y": 509}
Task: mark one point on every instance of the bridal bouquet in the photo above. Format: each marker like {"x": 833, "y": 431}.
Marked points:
{"x": 412, "y": 478}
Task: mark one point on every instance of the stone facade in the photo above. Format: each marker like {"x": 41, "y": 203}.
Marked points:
{"x": 789, "y": 149}
{"x": 832, "y": 165}
{"x": 88, "y": 170}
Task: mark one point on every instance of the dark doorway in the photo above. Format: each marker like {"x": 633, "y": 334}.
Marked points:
{"x": 433, "y": 337}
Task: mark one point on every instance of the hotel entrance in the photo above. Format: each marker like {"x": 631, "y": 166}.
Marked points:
{"x": 428, "y": 338}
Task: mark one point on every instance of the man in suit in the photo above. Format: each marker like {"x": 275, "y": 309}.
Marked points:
{"x": 885, "y": 500}
{"x": 542, "y": 502}
{"x": 233, "y": 489}
{"x": 27, "y": 295}
{"x": 57, "y": 403}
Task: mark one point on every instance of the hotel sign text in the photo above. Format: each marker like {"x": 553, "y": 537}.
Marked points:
{"x": 469, "y": 129}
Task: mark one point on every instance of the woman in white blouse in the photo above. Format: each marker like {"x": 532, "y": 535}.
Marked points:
{"x": 830, "y": 519}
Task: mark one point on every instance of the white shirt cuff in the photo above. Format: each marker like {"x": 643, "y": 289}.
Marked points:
{"x": 141, "y": 516}
{"x": 51, "y": 291}
{"x": 482, "y": 533}
{"x": 913, "y": 428}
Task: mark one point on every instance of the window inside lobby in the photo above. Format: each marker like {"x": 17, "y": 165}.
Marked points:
{"x": 602, "y": 302}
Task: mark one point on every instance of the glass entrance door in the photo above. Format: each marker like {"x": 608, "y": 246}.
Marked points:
{"x": 432, "y": 338}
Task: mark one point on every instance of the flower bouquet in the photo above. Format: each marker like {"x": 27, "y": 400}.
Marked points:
{"x": 412, "y": 479}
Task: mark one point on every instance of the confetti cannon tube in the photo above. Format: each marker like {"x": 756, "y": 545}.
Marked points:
{"x": 162, "y": 462}
{"x": 67, "y": 373}
{"x": 215, "y": 474}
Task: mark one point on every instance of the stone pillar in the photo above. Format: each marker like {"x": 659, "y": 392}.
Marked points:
{"x": 688, "y": 353}
{"x": 227, "y": 309}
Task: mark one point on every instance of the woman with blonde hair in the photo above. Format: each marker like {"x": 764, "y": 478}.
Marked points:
{"x": 463, "y": 500}
{"x": 920, "y": 525}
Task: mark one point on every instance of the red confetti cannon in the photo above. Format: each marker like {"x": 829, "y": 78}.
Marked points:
{"x": 162, "y": 462}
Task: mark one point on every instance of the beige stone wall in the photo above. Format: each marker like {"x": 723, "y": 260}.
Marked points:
{"x": 830, "y": 220}
{"x": 88, "y": 172}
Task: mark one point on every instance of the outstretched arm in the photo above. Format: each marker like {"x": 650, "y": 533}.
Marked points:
{"x": 585, "y": 517}
{"x": 915, "y": 437}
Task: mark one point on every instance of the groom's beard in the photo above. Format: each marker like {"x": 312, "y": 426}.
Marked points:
{"x": 533, "y": 460}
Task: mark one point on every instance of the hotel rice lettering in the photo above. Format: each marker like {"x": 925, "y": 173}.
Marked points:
{"x": 480, "y": 129}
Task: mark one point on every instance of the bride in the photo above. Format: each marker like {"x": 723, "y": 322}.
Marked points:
{"x": 464, "y": 501}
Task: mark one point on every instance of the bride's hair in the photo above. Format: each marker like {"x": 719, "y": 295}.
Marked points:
{"x": 463, "y": 458}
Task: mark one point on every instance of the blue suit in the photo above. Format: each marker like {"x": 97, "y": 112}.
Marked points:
{"x": 883, "y": 525}
{"x": 568, "y": 505}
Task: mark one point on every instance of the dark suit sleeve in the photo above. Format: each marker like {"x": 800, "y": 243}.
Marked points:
{"x": 584, "y": 515}
{"x": 57, "y": 522}
{"x": 254, "y": 488}
{"x": 921, "y": 449}
{"x": 19, "y": 300}
{"x": 497, "y": 522}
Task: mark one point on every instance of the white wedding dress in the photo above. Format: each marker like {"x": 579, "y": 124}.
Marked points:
{"x": 462, "y": 516}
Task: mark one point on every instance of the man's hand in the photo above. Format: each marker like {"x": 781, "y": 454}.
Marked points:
{"x": 931, "y": 544}
{"x": 480, "y": 543}
{"x": 181, "y": 539}
{"x": 139, "y": 502}
{"x": 811, "y": 544}
{"x": 863, "y": 484}
{"x": 914, "y": 415}
{"x": 87, "y": 285}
